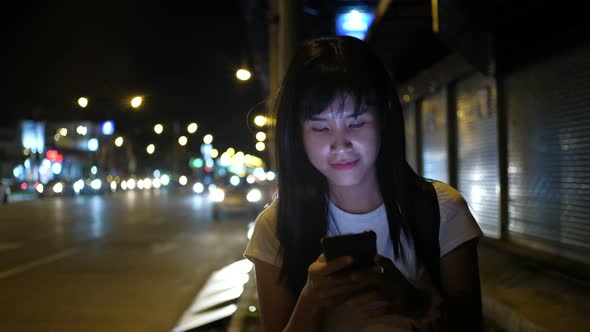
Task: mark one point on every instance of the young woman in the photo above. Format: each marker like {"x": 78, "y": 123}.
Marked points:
{"x": 342, "y": 169}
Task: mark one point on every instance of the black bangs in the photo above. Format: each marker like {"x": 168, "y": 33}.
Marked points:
{"x": 320, "y": 87}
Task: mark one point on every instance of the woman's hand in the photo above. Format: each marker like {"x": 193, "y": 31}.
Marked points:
{"x": 387, "y": 290}
{"x": 327, "y": 284}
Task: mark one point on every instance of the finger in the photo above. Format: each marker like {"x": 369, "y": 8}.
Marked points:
{"x": 332, "y": 281}
{"x": 368, "y": 271}
{"x": 377, "y": 311}
{"x": 340, "y": 295}
{"x": 383, "y": 261}
{"x": 347, "y": 287}
{"x": 373, "y": 272}
{"x": 341, "y": 292}
{"x": 362, "y": 298}
{"x": 315, "y": 268}
{"x": 336, "y": 265}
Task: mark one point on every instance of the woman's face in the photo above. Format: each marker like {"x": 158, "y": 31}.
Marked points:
{"x": 342, "y": 147}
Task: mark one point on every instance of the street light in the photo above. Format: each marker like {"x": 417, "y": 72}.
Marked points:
{"x": 182, "y": 140}
{"x": 81, "y": 130}
{"x": 136, "y": 102}
{"x": 260, "y": 146}
{"x": 214, "y": 153}
{"x": 243, "y": 74}
{"x": 260, "y": 120}
{"x": 119, "y": 141}
{"x": 192, "y": 128}
{"x": 92, "y": 144}
{"x": 150, "y": 149}
{"x": 158, "y": 129}
{"x": 260, "y": 136}
{"x": 83, "y": 102}
{"x": 208, "y": 139}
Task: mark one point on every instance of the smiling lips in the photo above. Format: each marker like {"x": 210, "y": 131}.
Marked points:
{"x": 344, "y": 165}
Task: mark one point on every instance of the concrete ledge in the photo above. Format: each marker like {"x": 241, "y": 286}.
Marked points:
{"x": 241, "y": 320}
{"x": 518, "y": 295}
{"x": 506, "y": 318}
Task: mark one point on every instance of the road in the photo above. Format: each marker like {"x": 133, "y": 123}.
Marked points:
{"x": 128, "y": 261}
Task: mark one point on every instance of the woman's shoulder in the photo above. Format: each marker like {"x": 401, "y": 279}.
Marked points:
{"x": 457, "y": 224}
{"x": 264, "y": 244}
{"x": 447, "y": 194}
{"x": 450, "y": 201}
{"x": 268, "y": 216}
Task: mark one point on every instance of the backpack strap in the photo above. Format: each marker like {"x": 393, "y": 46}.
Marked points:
{"x": 426, "y": 229}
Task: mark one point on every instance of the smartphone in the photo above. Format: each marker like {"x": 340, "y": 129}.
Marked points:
{"x": 361, "y": 246}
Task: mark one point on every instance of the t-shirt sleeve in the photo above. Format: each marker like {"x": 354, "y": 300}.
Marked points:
{"x": 457, "y": 224}
{"x": 264, "y": 244}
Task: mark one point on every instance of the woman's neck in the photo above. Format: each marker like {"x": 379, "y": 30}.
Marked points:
{"x": 362, "y": 198}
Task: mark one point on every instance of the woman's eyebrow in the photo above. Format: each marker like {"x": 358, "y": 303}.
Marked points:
{"x": 317, "y": 118}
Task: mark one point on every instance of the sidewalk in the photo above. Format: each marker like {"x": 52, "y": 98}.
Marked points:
{"x": 521, "y": 295}
{"x": 517, "y": 295}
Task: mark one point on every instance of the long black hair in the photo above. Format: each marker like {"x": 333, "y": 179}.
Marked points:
{"x": 320, "y": 71}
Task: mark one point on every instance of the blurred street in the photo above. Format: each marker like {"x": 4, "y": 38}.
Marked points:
{"x": 127, "y": 261}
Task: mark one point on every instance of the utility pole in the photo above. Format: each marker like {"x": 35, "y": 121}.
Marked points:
{"x": 284, "y": 37}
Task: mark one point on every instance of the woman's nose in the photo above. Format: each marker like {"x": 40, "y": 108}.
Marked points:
{"x": 340, "y": 142}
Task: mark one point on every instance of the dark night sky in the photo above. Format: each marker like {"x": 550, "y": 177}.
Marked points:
{"x": 181, "y": 55}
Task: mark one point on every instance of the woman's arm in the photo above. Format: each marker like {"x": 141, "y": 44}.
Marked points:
{"x": 279, "y": 311}
{"x": 461, "y": 289}
{"x": 276, "y": 303}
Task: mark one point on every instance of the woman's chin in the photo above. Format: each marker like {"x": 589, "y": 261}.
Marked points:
{"x": 343, "y": 181}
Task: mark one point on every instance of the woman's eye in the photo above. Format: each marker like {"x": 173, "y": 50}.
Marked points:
{"x": 357, "y": 125}
{"x": 320, "y": 130}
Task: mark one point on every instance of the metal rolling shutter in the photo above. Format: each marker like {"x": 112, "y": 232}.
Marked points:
{"x": 477, "y": 149}
{"x": 433, "y": 114}
{"x": 549, "y": 155}
{"x": 410, "y": 129}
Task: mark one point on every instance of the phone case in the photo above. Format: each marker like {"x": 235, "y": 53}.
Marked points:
{"x": 361, "y": 246}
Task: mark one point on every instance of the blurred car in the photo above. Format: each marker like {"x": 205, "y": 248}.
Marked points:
{"x": 91, "y": 186}
{"x": 55, "y": 188}
{"x": 100, "y": 186}
{"x": 63, "y": 187}
{"x": 244, "y": 199}
{"x": 4, "y": 192}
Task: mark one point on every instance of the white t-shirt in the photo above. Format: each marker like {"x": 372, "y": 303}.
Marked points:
{"x": 457, "y": 226}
